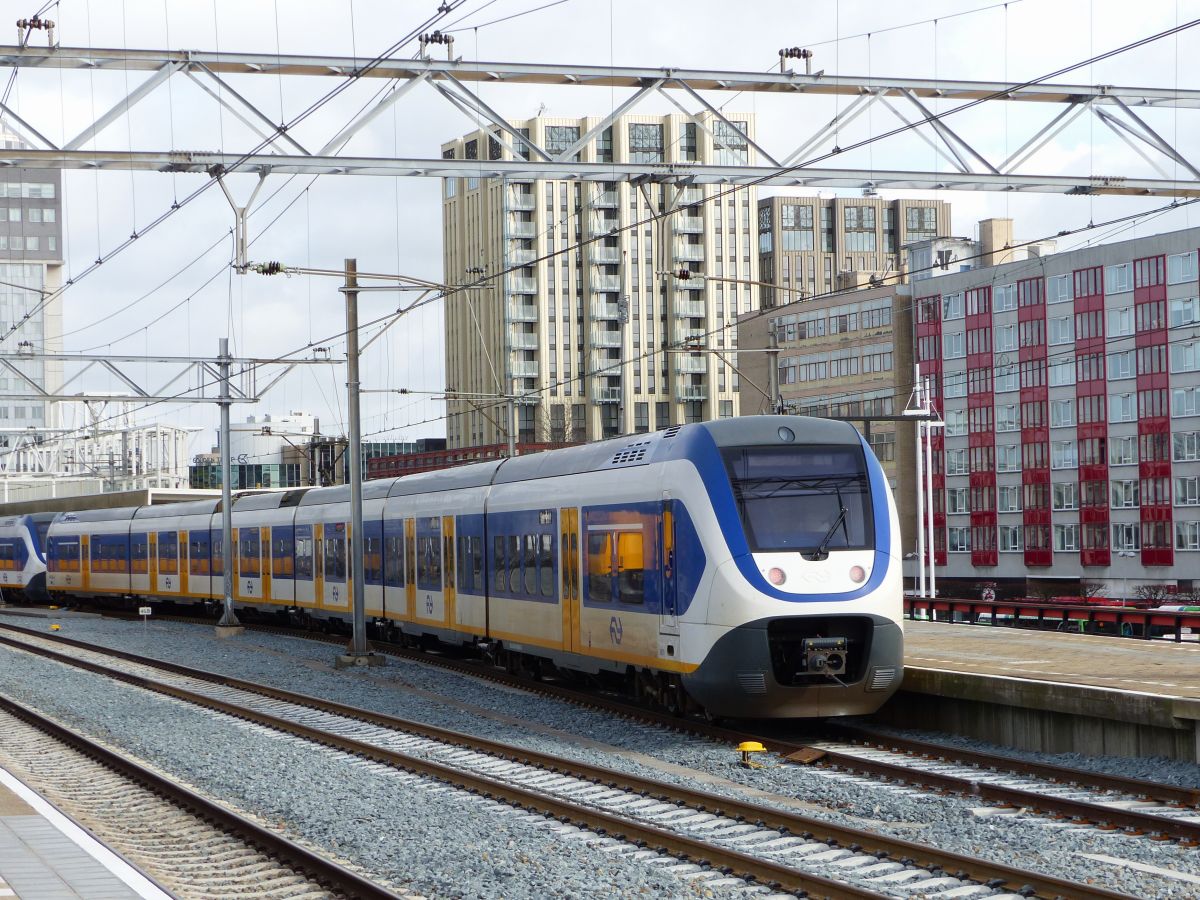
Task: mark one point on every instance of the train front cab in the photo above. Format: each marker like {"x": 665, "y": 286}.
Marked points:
{"x": 806, "y": 600}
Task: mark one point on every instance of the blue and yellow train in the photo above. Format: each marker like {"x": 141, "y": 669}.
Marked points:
{"x": 748, "y": 567}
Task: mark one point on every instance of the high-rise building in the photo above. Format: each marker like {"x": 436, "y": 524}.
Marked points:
{"x": 810, "y": 246}
{"x": 1070, "y": 388}
{"x": 31, "y": 260}
{"x": 577, "y": 322}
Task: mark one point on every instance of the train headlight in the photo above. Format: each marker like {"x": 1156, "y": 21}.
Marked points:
{"x": 858, "y": 574}
{"x": 776, "y": 576}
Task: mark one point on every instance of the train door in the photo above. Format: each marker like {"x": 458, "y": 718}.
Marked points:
{"x": 668, "y": 621}
{"x": 568, "y": 519}
{"x": 410, "y": 569}
{"x": 85, "y": 562}
{"x": 449, "y": 585}
{"x": 264, "y": 561}
{"x": 183, "y": 565}
{"x": 152, "y": 560}
{"x": 318, "y": 564}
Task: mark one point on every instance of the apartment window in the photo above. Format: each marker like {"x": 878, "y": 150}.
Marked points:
{"x": 1122, "y": 451}
{"x": 956, "y": 500}
{"x": 1065, "y": 495}
{"x": 920, "y": 223}
{"x": 1058, "y": 289}
{"x": 662, "y": 416}
{"x": 956, "y": 462}
{"x": 1062, "y": 330}
{"x": 1121, "y": 365}
{"x": 1066, "y": 538}
{"x": 1007, "y": 378}
{"x": 953, "y": 307}
{"x": 31, "y": 243}
{"x": 1185, "y": 446}
{"x": 1186, "y": 402}
{"x": 954, "y": 346}
{"x": 956, "y": 422}
{"x": 1185, "y": 357}
{"x": 1120, "y": 322}
{"x": 1010, "y": 539}
{"x": 859, "y": 224}
{"x": 1181, "y": 267}
{"x": 730, "y": 143}
{"x": 1005, "y": 338}
{"x": 1008, "y": 458}
{"x": 1004, "y": 297}
{"x": 725, "y": 410}
{"x": 1062, "y": 372}
{"x": 883, "y": 443}
{"x": 1062, "y": 413}
{"x": 955, "y": 384}
{"x": 1126, "y": 494}
{"x": 1126, "y": 536}
{"x": 1008, "y": 498}
{"x": 1123, "y": 407}
{"x": 1187, "y": 490}
{"x": 1064, "y": 455}
{"x": 1185, "y": 311}
{"x": 958, "y": 539}
{"x": 796, "y": 224}
{"x": 1007, "y": 418}
{"x": 1187, "y": 535}
{"x": 1118, "y": 279}
{"x": 645, "y": 142}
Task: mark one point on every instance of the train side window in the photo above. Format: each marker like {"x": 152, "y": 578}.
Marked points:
{"x": 546, "y": 564}
{"x": 499, "y": 568}
{"x": 393, "y": 567}
{"x": 631, "y": 572}
{"x": 531, "y": 565}
{"x": 431, "y": 563}
{"x": 448, "y": 559}
{"x": 373, "y": 559}
{"x": 514, "y": 564}
{"x": 599, "y": 547}
{"x": 410, "y": 561}
{"x": 477, "y": 564}
{"x": 464, "y": 563}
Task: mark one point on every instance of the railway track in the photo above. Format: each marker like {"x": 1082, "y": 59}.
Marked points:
{"x": 190, "y": 845}
{"x": 781, "y": 849}
{"x": 1062, "y": 793}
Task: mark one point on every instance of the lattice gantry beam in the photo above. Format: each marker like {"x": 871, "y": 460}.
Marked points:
{"x": 269, "y": 148}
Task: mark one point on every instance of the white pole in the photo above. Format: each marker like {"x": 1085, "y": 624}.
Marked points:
{"x": 929, "y": 489}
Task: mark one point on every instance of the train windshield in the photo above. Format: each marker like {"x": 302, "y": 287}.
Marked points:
{"x": 811, "y": 499}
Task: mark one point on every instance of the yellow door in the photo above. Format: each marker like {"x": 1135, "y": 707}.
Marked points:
{"x": 319, "y": 565}
{"x": 448, "y": 582}
{"x": 410, "y": 569}
{"x": 182, "y": 562}
{"x": 264, "y": 561}
{"x": 85, "y": 562}
{"x": 568, "y": 521}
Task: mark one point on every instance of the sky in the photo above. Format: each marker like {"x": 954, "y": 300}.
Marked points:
{"x": 173, "y": 291}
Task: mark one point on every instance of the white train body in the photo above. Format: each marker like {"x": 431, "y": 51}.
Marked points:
{"x": 752, "y": 564}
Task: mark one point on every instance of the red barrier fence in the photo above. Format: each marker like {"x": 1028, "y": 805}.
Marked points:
{"x": 1121, "y": 621}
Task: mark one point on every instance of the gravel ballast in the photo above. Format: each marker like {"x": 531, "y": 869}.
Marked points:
{"x": 445, "y": 843}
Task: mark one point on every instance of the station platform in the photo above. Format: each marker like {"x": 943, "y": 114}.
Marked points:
{"x": 1057, "y": 692}
{"x": 44, "y": 855}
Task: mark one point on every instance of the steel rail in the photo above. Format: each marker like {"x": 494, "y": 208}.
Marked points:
{"x": 304, "y": 861}
{"x": 910, "y": 852}
{"x": 764, "y": 871}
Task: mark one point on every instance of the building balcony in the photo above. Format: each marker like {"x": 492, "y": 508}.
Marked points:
{"x": 691, "y": 195}
{"x": 606, "y": 311}
{"x": 604, "y": 337}
{"x": 519, "y": 284}
{"x": 603, "y": 393}
{"x": 523, "y": 340}
{"x": 687, "y": 308}
{"x": 521, "y": 200}
{"x": 603, "y": 224}
{"x": 520, "y": 229}
{"x": 604, "y": 256}
{"x": 605, "y": 200}
{"x": 606, "y": 284}
{"x": 695, "y": 283}
{"x": 525, "y": 368}
{"x": 523, "y": 312}
{"x": 687, "y": 364}
{"x": 521, "y": 256}
{"x": 689, "y": 253}
{"x": 687, "y": 335}
{"x": 689, "y": 392}
{"x": 687, "y": 224}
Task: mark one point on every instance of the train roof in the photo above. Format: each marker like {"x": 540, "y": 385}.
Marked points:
{"x": 274, "y": 500}
{"x": 175, "y": 510}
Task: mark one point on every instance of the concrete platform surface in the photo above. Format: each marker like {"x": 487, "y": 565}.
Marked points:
{"x": 1125, "y": 664}
{"x": 46, "y": 856}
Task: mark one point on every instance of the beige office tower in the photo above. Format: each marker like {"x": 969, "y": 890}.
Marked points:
{"x": 577, "y": 309}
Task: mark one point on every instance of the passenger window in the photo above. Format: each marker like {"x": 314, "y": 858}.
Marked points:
{"x": 599, "y": 566}
{"x": 531, "y": 565}
{"x": 499, "y": 569}
{"x": 631, "y": 579}
{"x": 464, "y": 563}
{"x": 546, "y": 565}
{"x": 477, "y": 564}
{"x": 514, "y": 565}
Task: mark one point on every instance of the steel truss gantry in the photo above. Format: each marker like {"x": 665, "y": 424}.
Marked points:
{"x": 192, "y": 379}
{"x": 277, "y": 149}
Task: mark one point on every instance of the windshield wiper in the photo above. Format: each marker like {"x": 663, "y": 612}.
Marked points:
{"x": 822, "y": 551}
